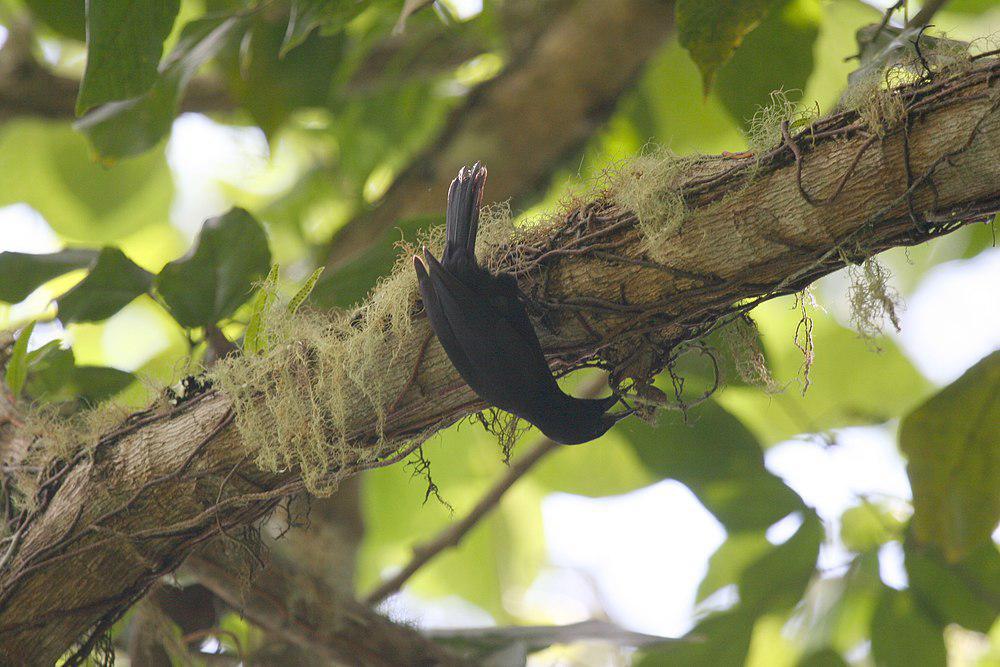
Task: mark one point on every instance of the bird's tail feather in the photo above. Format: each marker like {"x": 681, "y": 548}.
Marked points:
{"x": 465, "y": 196}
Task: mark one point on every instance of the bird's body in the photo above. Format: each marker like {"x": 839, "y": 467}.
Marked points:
{"x": 483, "y": 326}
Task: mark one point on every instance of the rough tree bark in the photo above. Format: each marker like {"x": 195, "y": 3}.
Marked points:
{"x": 118, "y": 516}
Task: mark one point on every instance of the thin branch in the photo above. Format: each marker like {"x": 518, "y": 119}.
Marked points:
{"x": 453, "y": 534}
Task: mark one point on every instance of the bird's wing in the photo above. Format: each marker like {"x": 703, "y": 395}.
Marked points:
{"x": 442, "y": 326}
{"x": 511, "y": 364}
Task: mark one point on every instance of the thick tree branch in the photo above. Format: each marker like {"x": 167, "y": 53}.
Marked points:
{"x": 122, "y": 512}
{"x": 531, "y": 117}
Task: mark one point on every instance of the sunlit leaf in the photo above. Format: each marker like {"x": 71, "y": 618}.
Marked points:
{"x": 124, "y": 44}
{"x": 17, "y": 365}
{"x": 730, "y": 559}
{"x": 305, "y": 290}
{"x": 217, "y": 275}
{"x": 902, "y": 635}
{"x": 113, "y": 282}
{"x": 255, "y": 337}
{"x": 21, "y": 273}
{"x": 51, "y": 168}
{"x": 130, "y": 127}
{"x": 952, "y": 444}
{"x": 868, "y": 526}
{"x": 711, "y": 30}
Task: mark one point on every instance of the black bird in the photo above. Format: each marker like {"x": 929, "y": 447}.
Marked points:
{"x": 484, "y": 328}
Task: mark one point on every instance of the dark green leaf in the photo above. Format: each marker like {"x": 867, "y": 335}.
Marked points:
{"x": 112, "y": 284}
{"x": 825, "y": 657}
{"x": 719, "y": 460}
{"x": 17, "y": 365}
{"x": 51, "y": 378}
{"x": 903, "y": 636}
{"x": 725, "y": 642}
{"x": 306, "y": 15}
{"x": 778, "y": 55}
{"x": 949, "y": 593}
{"x": 124, "y": 44}
{"x": 271, "y": 87}
{"x": 711, "y": 30}
{"x": 98, "y": 383}
{"x": 217, "y": 275}
{"x": 951, "y": 443}
{"x": 777, "y": 580}
{"x": 21, "y": 273}
{"x": 66, "y": 17}
{"x": 130, "y": 127}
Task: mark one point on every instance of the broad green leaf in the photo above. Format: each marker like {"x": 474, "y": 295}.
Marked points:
{"x": 778, "y": 55}
{"x": 777, "y": 580}
{"x": 217, "y": 275}
{"x": 21, "y": 273}
{"x": 903, "y": 636}
{"x": 851, "y": 383}
{"x": 66, "y": 17}
{"x": 130, "y": 127}
{"x": 304, "y": 16}
{"x": 51, "y": 168}
{"x": 722, "y": 639}
{"x": 255, "y": 337}
{"x": 824, "y": 657}
{"x": 304, "y": 291}
{"x": 17, "y": 365}
{"x": 711, "y": 30}
{"x": 730, "y": 559}
{"x": 719, "y": 460}
{"x": 124, "y": 44}
{"x": 54, "y": 376}
{"x": 111, "y": 285}
{"x": 952, "y": 445}
{"x": 868, "y": 526}
{"x": 270, "y": 87}
{"x": 99, "y": 383}
{"x": 949, "y": 592}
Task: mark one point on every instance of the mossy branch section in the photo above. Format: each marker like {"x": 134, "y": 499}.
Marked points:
{"x": 119, "y": 514}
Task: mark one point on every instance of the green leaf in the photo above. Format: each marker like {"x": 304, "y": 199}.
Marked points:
{"x": 730, "y": 560}
{"x": 868, "y": 526}
{"x": 51, "y": 168}
{"x": 217, "y": 275}
{"x": 778, "y": 55}
{"x": 99, "y": 383}
{"x": 130, "y": 127}
{"x": 17, "y": 365}
{"x": 824, "y": 657}
{"x": 112, "y": 284}
{"x": 124, "y": 44}
{"x": 724, "y": 640}
{"x": 903, "y": 636}
{"x": 719, "y": 460}
{"x": 255, "y": 337}
{"x": 66, "y": 17}
{"x": 777, "y": 580}
{"x": 304, "y": 291}
{"x": 711, "y": 30}
{"x": 21, "y": 273}
{"x": 956, "y": 593}
{"x": 306, "y": 15}
{"x": 952, "y": 443}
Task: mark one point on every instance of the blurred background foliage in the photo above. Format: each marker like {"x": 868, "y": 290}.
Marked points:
{"x": 280, "y": 124}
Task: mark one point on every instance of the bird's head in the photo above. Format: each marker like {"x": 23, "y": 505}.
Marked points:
{"x": 577, "y": 420}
